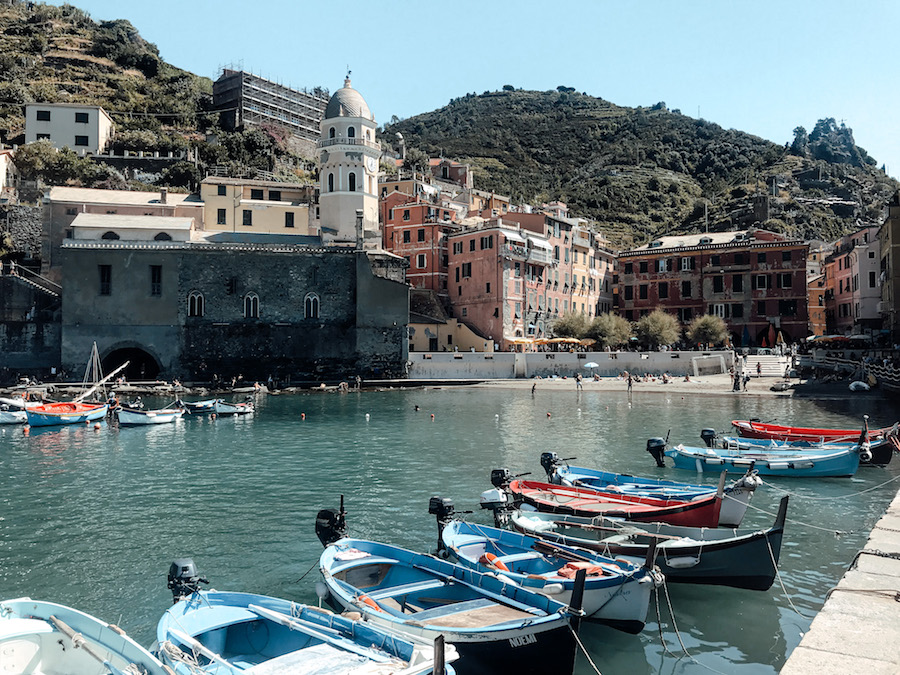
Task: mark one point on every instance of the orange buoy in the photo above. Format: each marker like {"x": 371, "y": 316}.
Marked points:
{"x": 432, "y": 415}
{"x": 548, "y": 413}
{"x": 26, "y": 429}
{"x": 97, "y": 426}
{"x": 370, "y": 602}
{"x": 302, "y": 416}
{"x": 491, "y": 560}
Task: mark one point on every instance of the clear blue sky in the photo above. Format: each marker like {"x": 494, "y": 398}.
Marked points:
{"x": 763, "y": 67}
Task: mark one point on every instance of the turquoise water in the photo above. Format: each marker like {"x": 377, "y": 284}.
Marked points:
{"x": 92, "y": 519}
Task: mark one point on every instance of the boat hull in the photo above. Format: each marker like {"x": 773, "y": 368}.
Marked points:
{"x": 700, "y": 512}
{"x": 65, "y": 413}
{"x": 496, "y": 627}
{"x": 200, "y": 407}
{"x": 836, "y": 464}
{"x": 881, "y": 449}
{"x": 259, "y": 633}
{"x": 225, "y": 408}
{"x": 36, "y": 637}
{"x": 13, "y": 417}
{"x": 128, "y": 417}
{"x": 745, "y": 559}
{"x": 734, "y": 504}
{"x": 618, "y": 598}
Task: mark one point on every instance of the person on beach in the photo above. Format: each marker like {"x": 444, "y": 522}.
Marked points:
{"x": 758, "y": 369}
{"x": 629, "y": 381}
{"x": 578, "y": 384}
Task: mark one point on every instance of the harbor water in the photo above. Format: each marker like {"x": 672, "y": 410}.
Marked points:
{"x": 92, "y": 518}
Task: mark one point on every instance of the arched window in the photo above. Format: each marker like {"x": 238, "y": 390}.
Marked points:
{"x": 352, "y": 179}
{"x": 162, "y": 236}
{"x": 195, "y": 304}
{"x": 251, "y": 306}
{"x": 109, "y": 235}
{"x": 331, "y": 132}
{"x": 331, "y": 182}
{"x": 311, "y": 306}
{"x": 351, "y": 132}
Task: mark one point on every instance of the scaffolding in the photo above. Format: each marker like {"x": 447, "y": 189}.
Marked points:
{"x": 248, "y": 99}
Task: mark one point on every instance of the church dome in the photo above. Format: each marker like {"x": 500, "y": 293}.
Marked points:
{"x": 347, "y": 102}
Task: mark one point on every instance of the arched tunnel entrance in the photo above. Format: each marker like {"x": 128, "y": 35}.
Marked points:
{"x": 141, "y": 365}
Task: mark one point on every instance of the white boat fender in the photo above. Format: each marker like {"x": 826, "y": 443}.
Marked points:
{"x": 683, "y": 562}
{"x": 322, "y": 590}
{"x": 552, "y": 589}
{"x": 865, "y": 453}
{"x": 505, "y": 579}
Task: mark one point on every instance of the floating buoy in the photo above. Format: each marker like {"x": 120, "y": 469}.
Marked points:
{"x": 548, "y": 413}
{"x": 302, "y": 416}
{"x": 497, "y": 417}
{"x": 213, "y": 416}
{"x": 97, "y": 426}
{"x": 432, "y": 415}
{"x": 26, "y": 429}
{"x": 87, "y": 422}
{"x": 367, "y": 416}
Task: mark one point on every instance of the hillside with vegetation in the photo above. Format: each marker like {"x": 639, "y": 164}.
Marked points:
{"x": 61, "y": 55}
{"x": 645, "y": 172}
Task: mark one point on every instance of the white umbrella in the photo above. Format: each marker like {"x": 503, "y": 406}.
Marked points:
{"x": 591, "y": 364}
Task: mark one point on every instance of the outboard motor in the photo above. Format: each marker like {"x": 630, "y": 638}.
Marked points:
{"x": 442, "y": 509}
{"x": 331, "y": 524}
{"x": 183, "y": 579}
{"x": 500, "y": 500}
{"x": 550, "y": 461}
{"x": 657, "y": 448}
{"x": 708, "y": 436}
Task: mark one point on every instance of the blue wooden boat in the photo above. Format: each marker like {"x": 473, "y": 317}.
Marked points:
{"x": 222, "y": 633}
{"x": 51, "y": 414}
{"x": 200, "y": 407}
{"x": 46, "y": 638}
{"x": 736, "y": 496}
{"x": 496, "y": 626}
{"x": 222, "y": 407}
{"x": 824, "y": 463}
{"x": 878, "y": 452}
{"x": 694, "y": 555}
{"x": 616, "y": 592}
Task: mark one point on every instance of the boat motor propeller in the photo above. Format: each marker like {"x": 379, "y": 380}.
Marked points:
{"x": 443, "y": 511}
{"x": 551, "y": 462}
{"x": 183, "y": 579}
{"x": 331, "y": 524}
{"x": 657, "y": 448}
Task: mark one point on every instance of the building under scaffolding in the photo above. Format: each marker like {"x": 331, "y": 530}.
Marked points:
{"x": 246, "y": 99}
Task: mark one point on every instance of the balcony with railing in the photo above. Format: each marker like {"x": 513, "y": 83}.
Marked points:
{"x": 539, "y": 255}
{"x": 328, "y": 142}
{"x": 514, "y": 251}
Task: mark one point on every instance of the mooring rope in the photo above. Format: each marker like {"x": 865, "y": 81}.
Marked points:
{"x": 677, "y": 633}
{"x": 837, "y": 533}
{"x": 584, "y": 651}
{"x": 781, "y": 581}
{"x": 851, "y": 494}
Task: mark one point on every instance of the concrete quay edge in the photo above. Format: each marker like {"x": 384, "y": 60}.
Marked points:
{"x": 858, "y": 628}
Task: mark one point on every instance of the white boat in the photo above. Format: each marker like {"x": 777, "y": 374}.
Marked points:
{"x": 12, "y": 416}
{"x": 43, "y": 638}
{"x": 225, "y": 408}
{"x": 19, "y": 402}
{"x": 135, "y": 417}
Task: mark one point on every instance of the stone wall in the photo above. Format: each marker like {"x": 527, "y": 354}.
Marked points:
{"x": 24, "y": 224}
{"x": 479, "y": 365}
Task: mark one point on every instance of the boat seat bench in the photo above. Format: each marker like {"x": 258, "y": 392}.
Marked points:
{"x": 405, "y": 589}
{"x": 454, "y": 608}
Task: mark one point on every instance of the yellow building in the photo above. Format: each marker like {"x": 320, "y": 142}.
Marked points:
{"x": 237, "y": 205}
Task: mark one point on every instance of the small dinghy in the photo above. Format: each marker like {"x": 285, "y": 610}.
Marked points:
{"x": 495, "y": 625}
{"x": 723, "y": 557}
{"x": 828, "y": 462}
{"x": 51, "y": 414}
{"x": 616, "y": 592}
{"x": 883, "y": 443}
{"x": 736, "y": 496}
{"x": 200, "y": 407}
{"x": 12, "y": 415}
{"x": 135, "y": 417}
{"x": 222, "y": 407}
{"x": 702, "y": 511}
{"x": 218, "y": 632}
{"x": 49, "y": 639}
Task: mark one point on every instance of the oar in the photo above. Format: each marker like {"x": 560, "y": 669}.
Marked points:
{"x": 77, "y": 639}
{"x": 302, "y": 626}
{"x": 200, "y": 647}
{"x": 640, "y": 532}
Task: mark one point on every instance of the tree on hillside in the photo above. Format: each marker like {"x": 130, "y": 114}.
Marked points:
{"x": 570, "y": 324}
{"x": 657, "y": 328}
{"x": 610, "y": 330}
{"x": 707, "y": 329}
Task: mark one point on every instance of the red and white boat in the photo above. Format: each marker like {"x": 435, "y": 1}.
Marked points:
{"x": 754, "y": 429}
{"x": 702, "y": 511}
